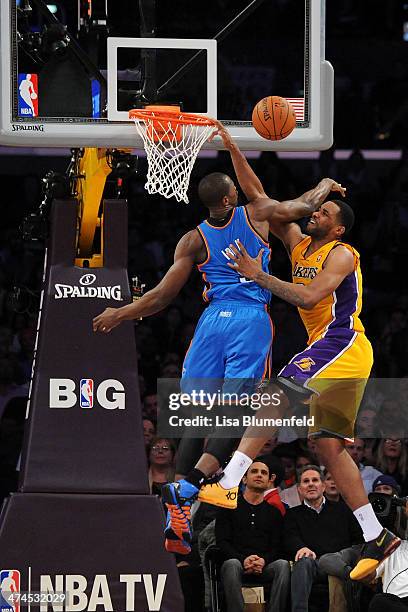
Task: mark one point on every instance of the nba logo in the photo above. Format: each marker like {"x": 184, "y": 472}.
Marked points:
{"x": 9, "y": 584}
{"x": 86, "y": 399}
{"x": 28, "y": 95}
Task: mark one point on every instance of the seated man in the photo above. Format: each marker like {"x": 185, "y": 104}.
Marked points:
{"x": 316, "y": 527}
{"x": 394, "y": 570}
{"x": 339, "y": 564}
{"x": 250, "y": 541}
{"x": 290, "y": 496}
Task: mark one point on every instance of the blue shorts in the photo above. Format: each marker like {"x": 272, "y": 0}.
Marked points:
{"x": 232, "y": 346}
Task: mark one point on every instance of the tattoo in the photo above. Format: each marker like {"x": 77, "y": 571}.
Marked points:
{"x": 286, "y": 291}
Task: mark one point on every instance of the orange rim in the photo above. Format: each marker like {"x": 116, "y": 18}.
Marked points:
{"x": 171, "y": 113}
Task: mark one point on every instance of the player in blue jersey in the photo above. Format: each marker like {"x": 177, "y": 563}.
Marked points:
{"x": 233, "y": 337}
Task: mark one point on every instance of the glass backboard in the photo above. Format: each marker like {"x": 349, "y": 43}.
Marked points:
{"x": 71, "y": 69}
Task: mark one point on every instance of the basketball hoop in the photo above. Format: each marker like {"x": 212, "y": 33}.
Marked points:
{"x": 172, "y": 140}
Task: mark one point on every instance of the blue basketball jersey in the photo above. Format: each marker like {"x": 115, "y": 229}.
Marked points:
{"x": 221, "y": 281}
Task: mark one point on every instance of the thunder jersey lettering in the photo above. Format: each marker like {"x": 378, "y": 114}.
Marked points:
{"x": 340, "y": 309}
{"x": 221, "y": 281}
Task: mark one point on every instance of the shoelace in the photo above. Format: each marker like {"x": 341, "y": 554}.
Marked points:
{"x": 179, "y": 518}
{"x": 214, "y": 479}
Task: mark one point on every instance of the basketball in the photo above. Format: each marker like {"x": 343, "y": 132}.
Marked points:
{"x": 33, "y": 95}
{"x": 273, "y": 118}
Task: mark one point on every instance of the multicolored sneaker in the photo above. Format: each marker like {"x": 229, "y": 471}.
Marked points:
{"x": 179, "y": 497}
{"x": 373, "y": 553}
{"x": 172, "y": 542}
{"x": 213, "y": 493}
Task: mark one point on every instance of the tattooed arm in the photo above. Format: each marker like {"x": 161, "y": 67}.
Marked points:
{"x": 339, "y": 264}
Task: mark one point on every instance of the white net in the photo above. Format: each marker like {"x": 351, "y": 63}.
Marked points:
{"x": 171, "y": 150}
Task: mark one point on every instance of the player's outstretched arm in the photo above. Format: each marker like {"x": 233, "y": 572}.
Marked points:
{"x": 247, "y": 179}
{"x": 306, "y": 204}
{"x": 158, "y": 298}
{"x": 339, "y": 264}
{"x": 281, "y": 215}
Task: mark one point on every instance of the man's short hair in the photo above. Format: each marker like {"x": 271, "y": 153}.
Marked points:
{"x": 346, "y": 215}
{"x": 306, "y": 468}
{"x": 213, "y": 187}
{"x": 274, "y": 465}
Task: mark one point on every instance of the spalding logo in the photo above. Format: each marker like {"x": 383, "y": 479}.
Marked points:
{"x": 87, "y": 279}
{"x": 26, "y": 127}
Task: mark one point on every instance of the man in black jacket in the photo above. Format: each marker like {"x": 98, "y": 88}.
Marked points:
{"x": 250, "y": 540}
{"x": 316, "y": 527}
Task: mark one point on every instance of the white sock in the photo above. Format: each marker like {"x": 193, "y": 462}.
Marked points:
{"x": 235, "y": 470}
{"x": 369, "y": 523}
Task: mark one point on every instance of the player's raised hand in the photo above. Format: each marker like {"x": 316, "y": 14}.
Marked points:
{"x": 243, "y": 263}
{"x": 106, "y": 321}
{"x": 222, "y": 131}
{"x": 335, "y": 186}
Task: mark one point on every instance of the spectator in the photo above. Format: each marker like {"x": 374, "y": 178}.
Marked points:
{"x": 309, "y": 446}
{"x": 171, "y": 370}
{"x": 316, "y": 527}
{"x": 290, "y": 496}
{"x": 366, "y": 423}
{"x": 339, "y": 564}
{"x": 393, "y": 571}
{"x": 391, "y": 418}
{"x": 149, "y": 432}
{"x": 162, "y": 464}
{"x": 387, "y": 485}
{"x": 272, "y": 495}
{"x": 394, "y": 575}
{"x": 269, "y": 446}
{"x": 392, "y": 461}
{"x": 368, "y": 472}
{"x": 150, "y": 406}
{"x": 331, "y": 492}
{"x": 287, "y": 455}
{"x": 250, "y": 541}
{"x": 367, "y": 429}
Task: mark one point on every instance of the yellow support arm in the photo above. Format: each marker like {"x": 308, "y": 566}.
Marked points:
{"x": 94, "y": 169}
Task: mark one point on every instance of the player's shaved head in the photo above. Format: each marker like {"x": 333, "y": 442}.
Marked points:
{"x": 213, "y": 188}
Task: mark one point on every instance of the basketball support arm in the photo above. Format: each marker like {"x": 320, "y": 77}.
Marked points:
{"x": 92, "y": 169}
{"x": 91, "y": 180}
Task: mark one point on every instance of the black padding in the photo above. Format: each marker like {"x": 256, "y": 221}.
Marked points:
{"x": 294, "y": 391}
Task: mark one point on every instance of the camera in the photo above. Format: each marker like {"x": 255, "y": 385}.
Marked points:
{"x": 384, "y": 504}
